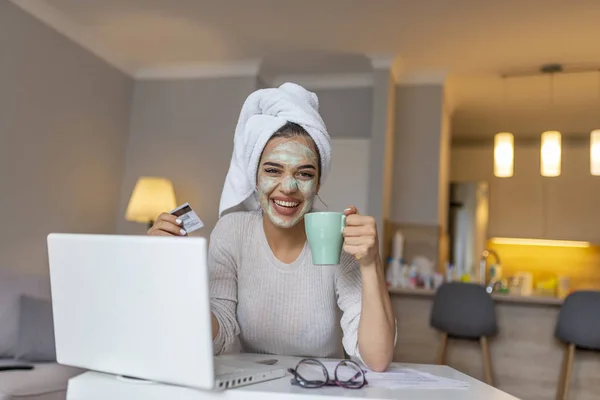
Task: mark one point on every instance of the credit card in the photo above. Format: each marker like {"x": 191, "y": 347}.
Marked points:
{"x": 189, "y": 218}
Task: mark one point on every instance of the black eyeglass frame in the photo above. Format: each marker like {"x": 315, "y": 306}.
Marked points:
{"x": 351, "y": 383}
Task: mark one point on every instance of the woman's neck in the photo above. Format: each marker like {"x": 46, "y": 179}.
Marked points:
{"x": 285, "y": 243}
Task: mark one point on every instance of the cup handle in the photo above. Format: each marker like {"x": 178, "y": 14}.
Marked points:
{"x": 343, "y": 222}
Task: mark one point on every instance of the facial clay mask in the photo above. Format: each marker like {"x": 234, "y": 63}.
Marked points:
{"x": 286, "y": 186}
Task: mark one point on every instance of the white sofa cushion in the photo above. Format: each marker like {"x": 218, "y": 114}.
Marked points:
{"x": 36, "y": 331}
{"x": 47, "y": 381}
{"x": 12, "y": 286}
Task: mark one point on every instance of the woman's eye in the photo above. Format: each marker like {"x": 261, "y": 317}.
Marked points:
{"x": 307, "y": 175}
{"x": 271, "y": 171}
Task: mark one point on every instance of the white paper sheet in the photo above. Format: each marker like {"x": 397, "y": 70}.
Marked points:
{"x": 401, "y": 378}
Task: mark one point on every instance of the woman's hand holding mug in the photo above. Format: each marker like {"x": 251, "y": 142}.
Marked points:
{"x": 360, "y": 237}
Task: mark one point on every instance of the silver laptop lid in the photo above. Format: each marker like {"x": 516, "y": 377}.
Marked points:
{"x": 133, "y": 305}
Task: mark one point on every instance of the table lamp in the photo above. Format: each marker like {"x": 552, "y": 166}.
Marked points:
{"x": 151, "y": 196}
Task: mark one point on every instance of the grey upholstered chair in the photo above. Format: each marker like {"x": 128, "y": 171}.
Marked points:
{"x": 577, "y": 325}
{"x": 465, "y": 311}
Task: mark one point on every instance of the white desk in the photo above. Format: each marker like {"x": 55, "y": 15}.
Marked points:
{"x": 99, "y": 386}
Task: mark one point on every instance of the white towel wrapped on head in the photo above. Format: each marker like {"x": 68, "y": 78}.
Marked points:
{"x": 263, "y": 113}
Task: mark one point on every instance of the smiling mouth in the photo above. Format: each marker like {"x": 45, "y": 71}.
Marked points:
{"x": 285, "y": 207}
{"x": 286, "y": 204}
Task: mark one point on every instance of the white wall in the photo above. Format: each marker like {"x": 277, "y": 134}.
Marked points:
{"x": 183, "y": 130}
{"x": 64, "y": 117}
{"x": 348, "y": 181}
{"x": 346, "y": 111}
{"x": 419, "y": 158}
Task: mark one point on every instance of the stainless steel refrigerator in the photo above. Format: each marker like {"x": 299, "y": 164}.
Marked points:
{"x": 467, "y": 226}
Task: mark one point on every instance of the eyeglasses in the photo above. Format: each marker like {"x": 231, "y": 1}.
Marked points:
{"x": 311, "y": 374}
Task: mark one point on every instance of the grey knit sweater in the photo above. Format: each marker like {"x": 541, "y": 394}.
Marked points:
{"x": 272, "y": 307}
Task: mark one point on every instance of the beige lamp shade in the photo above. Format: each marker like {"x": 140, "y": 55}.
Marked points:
{"x": 151, "y": 196}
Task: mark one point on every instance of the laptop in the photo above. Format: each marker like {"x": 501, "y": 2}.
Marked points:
{"x": 139, "y": 307}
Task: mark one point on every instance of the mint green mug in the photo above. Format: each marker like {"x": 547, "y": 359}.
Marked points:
{"x": 324, "y": 234}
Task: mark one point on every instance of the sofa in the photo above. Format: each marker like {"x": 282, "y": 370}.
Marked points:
{"x": 27, "y": 338}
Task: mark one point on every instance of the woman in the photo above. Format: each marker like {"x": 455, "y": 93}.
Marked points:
{"x": 265, "y": 290}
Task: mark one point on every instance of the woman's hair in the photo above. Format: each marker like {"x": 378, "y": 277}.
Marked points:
{"x": 291, "y": 129}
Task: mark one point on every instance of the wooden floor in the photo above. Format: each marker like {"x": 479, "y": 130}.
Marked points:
{"x": 526, "y": 359}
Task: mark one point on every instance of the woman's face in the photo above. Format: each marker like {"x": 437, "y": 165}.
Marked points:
{"x": 287, "y": 180}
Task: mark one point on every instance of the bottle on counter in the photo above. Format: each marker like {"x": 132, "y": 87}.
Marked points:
{"x": 413, "y": 276}
{"x": 438, "y": 280}
{"x": 404, "y": 276}
{"x": 389, "y": 273}
{"x": 399, "y": 273}
{"x": 394, "y": 274}
{"x": 398, "y": 246}
{"x": 395, "y": 271}
{"x": 493, "y": 284}
{"x": 563, "y": 287}
{"x": 450, "y": 272}
{"x": 496, "y": 271}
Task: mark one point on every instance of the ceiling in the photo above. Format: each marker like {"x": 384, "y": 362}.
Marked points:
{"x": 457, "y": 35}
{"x": 473, "y": 41}
{"x": 526, "y": 106}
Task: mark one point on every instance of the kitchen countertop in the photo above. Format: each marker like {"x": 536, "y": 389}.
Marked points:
{"x": 525, "y": 354}
{"x": 500, "y": 297}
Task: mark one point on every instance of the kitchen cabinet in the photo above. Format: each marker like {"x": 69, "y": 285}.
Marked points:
{"x": 572, "y": 209}
{"x": 528, "y": 205}
{"x": 515, "y": 206}
{"x": 572, "y": 200}
{"x": 516, "y": 203}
